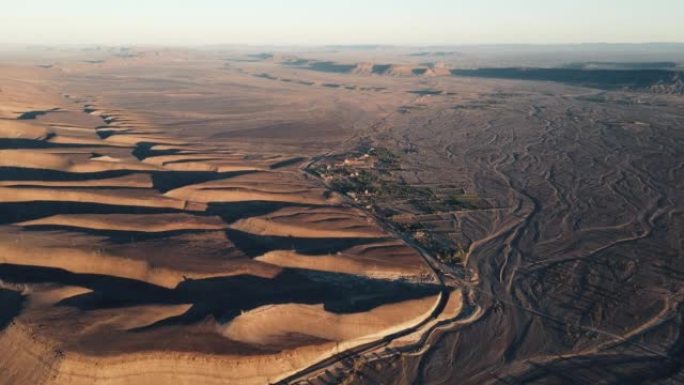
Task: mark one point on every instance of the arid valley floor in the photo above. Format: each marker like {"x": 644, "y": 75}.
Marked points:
{"x": 339, "y": 216}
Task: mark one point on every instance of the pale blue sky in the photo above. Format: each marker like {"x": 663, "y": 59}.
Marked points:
{"x": 416, "y": 22}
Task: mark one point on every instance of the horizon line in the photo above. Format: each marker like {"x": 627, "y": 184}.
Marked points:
{"x": 334, "y": 45}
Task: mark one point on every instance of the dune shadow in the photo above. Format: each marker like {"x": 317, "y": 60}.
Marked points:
{"x": 144, "y": 150}
{"x": 255, "y": 245}
{"x": 30, "y": 115}
{"x": 232, "y": 211}
{"x": 14, "y": 212}
{"x": 287, "y": 162}
{"x": 25, "y": 211}
{"x": 46, "y": 175}
{"x": 10, "y": 306}
{"x": 225, "y": 297}
{"x": 19, "y": 143}
{"x": 164, "y": 181}
{"x": 117, "y": 236}
{"x": 108, "y": 291}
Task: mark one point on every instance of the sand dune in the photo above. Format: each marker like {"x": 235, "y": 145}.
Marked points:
{"x": 130, "y": 181}
{"x": 262, "y": 186}
{"x": 24, "y": 88}
{"x": 50, "y": 295}
{"x": 216, "y": 165}
{"x": 268, "y": 226}
{"x": 39, "y": 249}
{"x": 80, "y": 141}
{"x": 309, "y": 229}
{"x": 384, "y": 268}
{"x": 227, "y": 194}
{"x": 12, "y": 129}
{"x": 273, "y": 323}
{"x": 65, "y": 162}
{"x": 144, "y": 248}
{"x": 129, "y": 139}
{"x": 164, "y": 160}
{"x": 141, "y": 223}
{"x": 52, "y": 367}
{"x": 123, "y": 197}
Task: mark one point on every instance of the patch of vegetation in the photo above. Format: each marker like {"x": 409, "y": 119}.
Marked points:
{"x": 452, "y": 255}
{"x": 359, "y": 182}
{"x": 369, "y": 175}
{"x": 362, "y": 174}
{"x": 385, "y": 157}
{"x": 445, "y": 250}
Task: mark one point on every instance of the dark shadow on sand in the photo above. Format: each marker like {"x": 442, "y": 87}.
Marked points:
{"x": 30, "y": 115}
{"x": 10, "y": 306}
{"x": 256, "y": 245}
{"x": 25, "y": 211}
{"x": 225, "y": 297}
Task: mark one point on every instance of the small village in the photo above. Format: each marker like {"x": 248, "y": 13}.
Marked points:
{"x": 370, "y": 177}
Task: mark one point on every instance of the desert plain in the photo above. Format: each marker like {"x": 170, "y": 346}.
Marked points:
{"x": 342, "y": 215}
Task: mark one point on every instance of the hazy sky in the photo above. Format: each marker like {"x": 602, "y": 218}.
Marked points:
{"x": 413, "y": 22}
